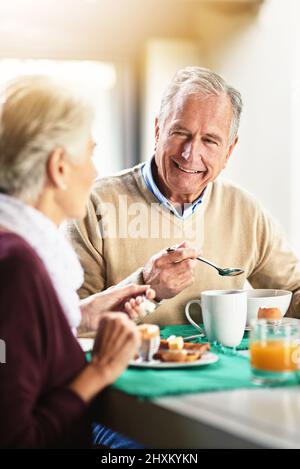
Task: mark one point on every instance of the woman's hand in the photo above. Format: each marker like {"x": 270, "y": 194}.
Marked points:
{"x": 126, "y": 299}
{"x": 116, "y": 343}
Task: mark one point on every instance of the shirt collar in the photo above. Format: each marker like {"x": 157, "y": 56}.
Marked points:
{"x": 188, "y": 210}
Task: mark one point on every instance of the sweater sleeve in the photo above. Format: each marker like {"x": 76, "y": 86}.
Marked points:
{"x": 34, "y": 412}
{"x": 135, "y": 277}
{"x": 276, "y": 264}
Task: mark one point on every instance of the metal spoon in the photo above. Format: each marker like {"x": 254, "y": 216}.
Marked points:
{"x": 231, "y": 272}
{"x": 192, "y": 337}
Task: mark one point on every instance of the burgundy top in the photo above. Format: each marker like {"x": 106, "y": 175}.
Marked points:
{"x": 42, "y": 356}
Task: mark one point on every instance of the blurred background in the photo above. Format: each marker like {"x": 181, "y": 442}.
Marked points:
{"x": 122, "y": 53}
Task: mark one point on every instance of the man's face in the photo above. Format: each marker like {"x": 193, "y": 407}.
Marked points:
{"x": 192, "y": 145}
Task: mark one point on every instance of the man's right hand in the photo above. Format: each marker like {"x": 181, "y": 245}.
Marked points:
{"x": 168, "y": 273}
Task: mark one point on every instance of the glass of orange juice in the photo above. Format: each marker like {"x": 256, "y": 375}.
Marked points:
{"x": 275, "y": 351}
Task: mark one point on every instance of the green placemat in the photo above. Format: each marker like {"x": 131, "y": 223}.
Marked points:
{"x": 188, "y": 330}
{"x": 232, "y": 371}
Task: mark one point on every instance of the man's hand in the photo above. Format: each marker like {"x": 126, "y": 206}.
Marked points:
{"x": 126, "y": 299}
{"x": 168, "y": 273}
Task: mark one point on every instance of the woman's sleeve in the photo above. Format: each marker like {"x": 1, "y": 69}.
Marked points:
{"x": 28, "y": 417}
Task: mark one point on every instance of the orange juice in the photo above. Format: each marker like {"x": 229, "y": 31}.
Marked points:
{"x": 274, "y": 355}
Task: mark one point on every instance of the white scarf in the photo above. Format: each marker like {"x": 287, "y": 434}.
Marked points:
{"x": 52, "y": 248}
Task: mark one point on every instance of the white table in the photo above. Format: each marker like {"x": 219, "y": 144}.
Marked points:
{"x": 256, "y": 418}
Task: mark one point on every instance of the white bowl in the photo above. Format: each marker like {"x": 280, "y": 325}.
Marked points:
{"x": 268, "y": 298}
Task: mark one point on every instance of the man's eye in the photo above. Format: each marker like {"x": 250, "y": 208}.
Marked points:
{"x": 178, "y": 133}
{"x": 210, "y": 141}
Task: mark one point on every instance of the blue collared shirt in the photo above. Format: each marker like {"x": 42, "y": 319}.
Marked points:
{"x": 188, "y": 210}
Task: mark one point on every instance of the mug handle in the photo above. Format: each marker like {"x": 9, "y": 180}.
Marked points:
{"x": 187, "y": 314}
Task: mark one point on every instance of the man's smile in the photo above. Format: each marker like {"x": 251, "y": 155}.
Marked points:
{"x": 190, "y": 171}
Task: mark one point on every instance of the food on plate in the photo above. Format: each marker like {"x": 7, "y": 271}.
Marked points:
{"x": 189, "y": 351}
{"x": 150, "y": 340}
{"x": 269, "y": 313}
{"x": 180, "y": 355}
{"x": 175, "y": 343}
{"x": 164, "y": 344}
{"x": 172, "y": 349}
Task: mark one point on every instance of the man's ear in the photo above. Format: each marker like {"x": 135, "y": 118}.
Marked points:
{"x": 57, "y": 168}
{"x": 230, "y": 150}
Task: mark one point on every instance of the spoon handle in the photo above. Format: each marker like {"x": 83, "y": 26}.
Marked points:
{"x": 201, "y": 259}
{"x": 192, "y": 337}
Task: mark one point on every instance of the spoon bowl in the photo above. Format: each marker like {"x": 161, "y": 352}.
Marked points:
{"x": 225, "y": 272}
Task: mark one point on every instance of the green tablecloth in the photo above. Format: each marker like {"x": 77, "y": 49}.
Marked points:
{"x": 232, "y": 371}
{"x": 188, "y": 330}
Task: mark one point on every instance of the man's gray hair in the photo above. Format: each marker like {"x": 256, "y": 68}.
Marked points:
{"x": 198, "y": 80}
{"x": 37, "y": 116}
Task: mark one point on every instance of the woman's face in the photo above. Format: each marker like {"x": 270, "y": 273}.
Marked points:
{"x": 79, "y": 178}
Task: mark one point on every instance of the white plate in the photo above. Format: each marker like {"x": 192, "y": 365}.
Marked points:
{"x": 86, "y": 344}
{"x": 207, "y": 359}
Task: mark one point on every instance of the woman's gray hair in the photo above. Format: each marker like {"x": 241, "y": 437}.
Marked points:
{"x": 37, "y": 116}
{"x": 198, "y": 80}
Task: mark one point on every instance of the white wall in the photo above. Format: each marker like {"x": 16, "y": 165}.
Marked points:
{"x": 295, "y": 95}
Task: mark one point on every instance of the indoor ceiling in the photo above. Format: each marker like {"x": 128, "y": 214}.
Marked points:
{"x": 95, "y": 28}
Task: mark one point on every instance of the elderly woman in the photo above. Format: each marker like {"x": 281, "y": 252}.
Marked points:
{"x": 46, "y": 172}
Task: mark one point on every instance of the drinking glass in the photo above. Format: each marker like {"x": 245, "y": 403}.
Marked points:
{"x": 275, "y": 351}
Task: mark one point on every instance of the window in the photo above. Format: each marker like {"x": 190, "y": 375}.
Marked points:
{"x": 98, "y": 82}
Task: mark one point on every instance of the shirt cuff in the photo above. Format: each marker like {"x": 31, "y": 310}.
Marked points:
{"x": 136, "y": 277}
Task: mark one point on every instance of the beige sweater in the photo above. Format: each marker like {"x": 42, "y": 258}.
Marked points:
{"x": 125, "y": 226}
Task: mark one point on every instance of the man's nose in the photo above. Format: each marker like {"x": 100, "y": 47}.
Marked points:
{"x": 192, "y": 151}
{"x": 187, "y": 150}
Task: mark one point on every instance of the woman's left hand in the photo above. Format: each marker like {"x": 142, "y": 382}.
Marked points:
{"x": 126, "y": 299}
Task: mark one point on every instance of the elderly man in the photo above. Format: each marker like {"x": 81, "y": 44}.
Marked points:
{"x": 176, "y": 197}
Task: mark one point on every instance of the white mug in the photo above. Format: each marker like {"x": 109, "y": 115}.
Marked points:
{"x": 224, "y": 315}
